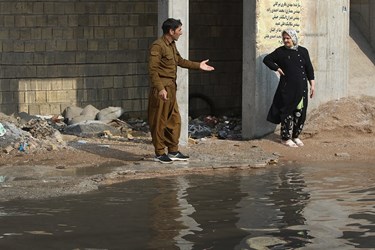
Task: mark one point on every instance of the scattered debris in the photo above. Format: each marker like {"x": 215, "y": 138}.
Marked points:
{"x": 2, "y": 130}
{"x": 222, "y": 127}
{"x": 344, "y": 155}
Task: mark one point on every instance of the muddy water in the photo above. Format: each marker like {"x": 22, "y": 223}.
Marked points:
{"x": 318, "y": 206}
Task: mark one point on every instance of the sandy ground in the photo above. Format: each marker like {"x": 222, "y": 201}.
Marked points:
{"x": 337, "y": 131}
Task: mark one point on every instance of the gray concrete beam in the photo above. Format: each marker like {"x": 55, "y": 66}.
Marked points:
{"x": 324, "y": 34}
{"x": 179, "y": 9}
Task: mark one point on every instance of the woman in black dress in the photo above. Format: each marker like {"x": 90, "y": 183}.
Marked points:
{"x": 289, "y": 104}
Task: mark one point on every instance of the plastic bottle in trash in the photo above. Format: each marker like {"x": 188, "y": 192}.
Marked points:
{"x": 22, "y": 146}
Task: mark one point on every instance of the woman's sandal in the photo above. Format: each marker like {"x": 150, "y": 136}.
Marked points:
{"x": 298, "y": 142}
{"x": 289, "y": 143}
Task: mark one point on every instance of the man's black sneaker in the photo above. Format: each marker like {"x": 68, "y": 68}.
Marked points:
{"x": 163, "y": 158}
{"x": 178, "y": 156}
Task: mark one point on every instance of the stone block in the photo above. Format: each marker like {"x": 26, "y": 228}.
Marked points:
{"x": 38, "y": 8}
{"x": 68, "y": 33}
{"x": 57, "y": 33}
{"x": 99, "y": 32}
{"x": 44, "y": 109}
{"x": 118, "y": 82}
{"x": 48, "y": 7}
{"x": 18, "y": 46}
{"x": 9, "y": 20}
{"x": 113, "y": 20}
{"x": 32, "y": 84}
{"x": 40, "y": 96}
{"x": 119, "y": 33}
{"x": 89, "y": 32}
{"x": 8, "y": 46}
{"x": 34, "y": 109}
{"x": 80, "y": 57}
{"x": 64, "y": 57}
{"x": 56, "y": 84}
{"x": 29, "y": 46}
{"x": 21, "y": 97}
{"x": 73, "y": 20}
{"x": 4, "y": 34}
{"x": 67, "y": 84}
{"x": 103, "y": 21}
{"x": 59, "y": 8}
{"x": 43, "y": 85}
{"x": 51, "y": 45}
{"x": 40, "y": 46}
{"x": 64, "y": 71}
{"x": 103, "y": 94}
{"x": 47, "y": 33}
{"x": 30, "y": 97}
{"x": 71, "y": 45}
{"x": 113, "y": 44}
{"x": 23, "y": 108}
{"x": 56, "y": 97}
{"x": 107, "y": 83}
{"x": 129, "y": 32}
{"x": 93, "y": 45}
{"x": 68, "y": 7}
{"x": 61, "y": 45}
{"x": 55, "y": 108}
{"x": 20, "y": 21}
{"x": 23, "y": 85}
{"x": 133, "y": 44}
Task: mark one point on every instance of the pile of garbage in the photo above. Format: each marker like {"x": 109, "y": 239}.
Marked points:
{"x": 223, "y": 127}
{"x": 29, "y": 133}
{"x": 26, "y": 133}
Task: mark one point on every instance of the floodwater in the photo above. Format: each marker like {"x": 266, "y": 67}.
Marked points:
{"x": 318, "y": 206}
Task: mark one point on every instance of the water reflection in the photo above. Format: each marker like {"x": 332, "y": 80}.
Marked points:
{"x": 272, "y": 208}
{"x": 290, "y": 207}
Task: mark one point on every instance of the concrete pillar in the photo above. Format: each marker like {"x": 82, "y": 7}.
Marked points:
{"x": 179, "y": 9}
{"x": 258, "y": 84}
{"x": 325, "y": 35}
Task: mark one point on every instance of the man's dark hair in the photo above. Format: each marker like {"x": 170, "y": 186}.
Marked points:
{"x": 170, "y": 24}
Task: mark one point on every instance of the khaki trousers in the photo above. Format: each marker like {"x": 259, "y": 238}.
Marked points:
{"x": 164, "y": 120}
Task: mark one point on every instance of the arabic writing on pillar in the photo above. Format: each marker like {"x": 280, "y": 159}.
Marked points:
{"x": 284, "y": 15}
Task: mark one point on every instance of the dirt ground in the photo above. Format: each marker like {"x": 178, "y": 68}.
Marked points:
{"x": 340, "y": 130}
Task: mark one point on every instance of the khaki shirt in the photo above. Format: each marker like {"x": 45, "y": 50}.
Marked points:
{"x": 163, "y": 61}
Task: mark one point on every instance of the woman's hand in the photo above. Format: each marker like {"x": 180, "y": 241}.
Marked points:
{"x": 312, "y": 88}
{"x": 281, "y": 72}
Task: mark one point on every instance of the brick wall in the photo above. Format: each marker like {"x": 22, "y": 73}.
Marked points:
{"x": 216, "y": 33}
{"x": 56, "y": 53}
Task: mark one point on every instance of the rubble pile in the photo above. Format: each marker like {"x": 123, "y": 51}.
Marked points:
{"x": 223, "y": 127}
{"x": 34, "y": 135}
{"x": 39, "y": 128}
{"x": 26, "y": 133}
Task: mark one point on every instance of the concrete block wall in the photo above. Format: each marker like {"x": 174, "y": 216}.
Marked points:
{"x": 216, "y": 34}
{"x": 56, "y": 53}
{"x": 362, "y": 13}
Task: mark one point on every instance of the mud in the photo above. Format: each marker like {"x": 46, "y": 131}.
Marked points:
{"x": 340, "y": 131}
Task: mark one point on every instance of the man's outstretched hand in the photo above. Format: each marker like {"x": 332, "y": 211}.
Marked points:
{"x": 204, "y": 66}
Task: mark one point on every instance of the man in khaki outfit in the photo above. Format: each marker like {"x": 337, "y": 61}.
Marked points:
{"x": 163, "y": 114}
